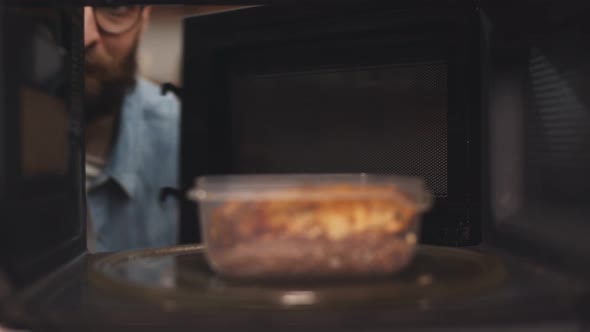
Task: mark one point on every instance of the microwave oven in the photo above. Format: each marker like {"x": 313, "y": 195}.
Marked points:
{"x": 486, "y": 100}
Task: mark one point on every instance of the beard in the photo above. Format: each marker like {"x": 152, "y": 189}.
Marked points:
{"x": 107, "y": 81}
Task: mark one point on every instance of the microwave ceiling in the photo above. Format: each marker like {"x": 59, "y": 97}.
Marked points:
{"x": 523, "y": 16}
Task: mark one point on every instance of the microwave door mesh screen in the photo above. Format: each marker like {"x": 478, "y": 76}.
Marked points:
{"x": 379, "y": 119}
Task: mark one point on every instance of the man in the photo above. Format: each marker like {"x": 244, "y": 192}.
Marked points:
{"x": 131, "y": 137}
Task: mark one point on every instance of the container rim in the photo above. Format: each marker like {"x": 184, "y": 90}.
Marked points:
{"x": 256, "y": 187}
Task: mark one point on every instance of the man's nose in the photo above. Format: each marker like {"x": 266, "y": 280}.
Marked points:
{"x": 91, "y": 33}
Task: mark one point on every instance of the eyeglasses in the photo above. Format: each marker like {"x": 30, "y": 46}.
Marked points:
{"x": 117, "y": 20}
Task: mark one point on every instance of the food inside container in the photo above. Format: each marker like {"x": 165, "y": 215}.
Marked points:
{"x": 293, "y": 226}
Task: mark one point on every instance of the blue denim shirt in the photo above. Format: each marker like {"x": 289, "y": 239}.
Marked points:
{"x": 123, "y": 201}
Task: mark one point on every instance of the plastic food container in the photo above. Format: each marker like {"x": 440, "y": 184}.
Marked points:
{"x": 308, "y": 226}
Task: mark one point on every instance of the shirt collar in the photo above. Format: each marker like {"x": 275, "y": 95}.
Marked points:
{"x": 124, "y": 161}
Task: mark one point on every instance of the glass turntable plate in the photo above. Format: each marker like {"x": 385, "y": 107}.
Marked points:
{"x": 181, "y": 276}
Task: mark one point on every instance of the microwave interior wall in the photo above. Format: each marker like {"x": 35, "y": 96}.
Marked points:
{"x": 538, "y": 136}
{"x": 361, "y": 93}
{"x": 41, "y": 193}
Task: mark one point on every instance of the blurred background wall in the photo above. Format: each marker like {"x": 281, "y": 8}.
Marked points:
{"x": 160, "y": 50}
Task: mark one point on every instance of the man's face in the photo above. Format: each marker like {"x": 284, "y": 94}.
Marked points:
{"x": 111, "y": 37}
